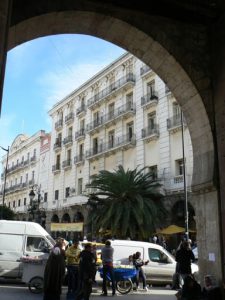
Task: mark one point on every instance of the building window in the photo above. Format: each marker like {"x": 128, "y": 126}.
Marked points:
{"x": 80, "y": 183}
{"x": 151, "y": 88}
{"x": 176, "y": 110}
{"x": 130, "y": 130}
{"x": 26, "y": 178}
{"x": 154, "y": 172}
{"x": 129, "y": 101}
{"x": 19, "y": 201}
{"x": 111, "y": 136}
{"x": 151, "y": 120}
{"x": 56, "y": 194}
{"x": 45, "y": 197}
{"x": 24, "y": 201}
{"x": 67, "y": 192}
{"x": 14, "y": 204}
{"x": 179, "y": 167}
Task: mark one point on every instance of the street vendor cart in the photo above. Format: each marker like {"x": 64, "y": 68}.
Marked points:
{"x": 33, "y": 273}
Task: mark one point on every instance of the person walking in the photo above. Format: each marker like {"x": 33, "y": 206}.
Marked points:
{"x": 107, "y": 261}
{"x": 86, "y": 273}
{"x": 184, "y": 258}
{"x": 139, "y": 263}
{"x": 54, "y": 275}
{"x": 73, "y": 258}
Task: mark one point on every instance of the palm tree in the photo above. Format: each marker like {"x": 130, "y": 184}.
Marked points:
{"x": 127, "y": 203}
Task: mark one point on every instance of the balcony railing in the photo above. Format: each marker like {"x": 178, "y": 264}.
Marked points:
{"x": 59, "y": 124}
{"x": 56, "y": 168}
{"x": 144, "y": 70}
{"x": 33, "y": 159}
{"x": 149, "y": 132}
{"x": 66, "y": 164}
{"x": 58, "y": 144}
{"x": 150, "y": 98}
{"x": 80, "y": 134}
{"x": 129, "y": 78}
{"x": 68, "y": 140}
{"x": 81, "y": 109}
{"x": 123, "y": 110}
{"x": 79, "y": 159}
{"x": 175, "y": 122}
{"x": 69, "y": 118}
{"x": 124, "y": 142}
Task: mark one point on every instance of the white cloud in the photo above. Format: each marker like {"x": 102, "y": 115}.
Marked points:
{"x": 56, "y": 86}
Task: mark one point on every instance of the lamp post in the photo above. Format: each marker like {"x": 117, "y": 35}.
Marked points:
{"x": 185, "y": 182}
{"x": 34, "y": 207}
{"x": 5, "y": 175}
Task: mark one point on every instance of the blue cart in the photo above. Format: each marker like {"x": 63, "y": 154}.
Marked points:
{"x": 123, "y": 278}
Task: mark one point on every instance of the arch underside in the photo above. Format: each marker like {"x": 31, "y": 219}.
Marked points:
{"x": 151, "y": 52}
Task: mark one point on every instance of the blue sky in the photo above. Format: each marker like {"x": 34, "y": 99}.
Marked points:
{"x": 43, "y": 71}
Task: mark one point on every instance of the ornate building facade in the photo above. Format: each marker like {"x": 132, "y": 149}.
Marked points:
{"x": 125, "y": 115}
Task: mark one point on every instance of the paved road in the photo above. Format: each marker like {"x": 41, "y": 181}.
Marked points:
{"x": 14, "y": 291}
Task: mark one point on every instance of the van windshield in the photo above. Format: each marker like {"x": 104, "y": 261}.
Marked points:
{"x": 51, "y": 240}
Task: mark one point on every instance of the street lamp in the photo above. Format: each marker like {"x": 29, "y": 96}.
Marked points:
{"x": 34, "y": 207}
{"x": 185, "y": 182}
{"x": 3, "y": 194}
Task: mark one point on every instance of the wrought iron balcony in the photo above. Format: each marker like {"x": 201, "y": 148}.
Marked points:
{"x": 79, "y": 159}
{"x": 123, "y": 142}
{"x": 80, "y": 134}
{"x": 114, "y": 87}
{"x": 150, "y": 133}
{"x": 58, "y": 144}
{"x": 59, "y": 124}
{"x": 56, "y": 168}
{"x": 69, "y": 118}
{"x": 67, "y": 164}
{"x": 123, "y": 111}
{"x": 68, "y": 140}
{"x": 81, "y": 109}
{"x": 150, "y": 99}
{"x": 33, "y": 159}
{"x": 145, "y": 69}
{"x": 174, "y": 123}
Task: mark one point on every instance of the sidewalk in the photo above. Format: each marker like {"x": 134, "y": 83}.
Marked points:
{"x": 152, "y": 294}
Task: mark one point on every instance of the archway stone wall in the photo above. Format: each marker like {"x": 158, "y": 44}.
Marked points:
{"x": 157, "y": 43}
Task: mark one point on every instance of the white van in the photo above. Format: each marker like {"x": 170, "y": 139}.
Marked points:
{"x": 20, "y": 238}
{"x": 161, "y": 266}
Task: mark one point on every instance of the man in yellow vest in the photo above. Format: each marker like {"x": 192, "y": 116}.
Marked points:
{"x": 73, "y": 259}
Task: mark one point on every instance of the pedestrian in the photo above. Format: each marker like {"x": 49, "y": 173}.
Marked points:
{"x": 72, "y": 259}
{"x": 86, "y": 273}
{"x": 53, "y": 275}
{"x": 191, "y": 290}
{"x": 184, "y": 258}
{"x": 107, "y": 261}
{"x": 139, "y": 263}
{"x": 70, "y": 243}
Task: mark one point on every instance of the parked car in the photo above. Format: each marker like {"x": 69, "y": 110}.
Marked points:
{"x": 161, "y": 266}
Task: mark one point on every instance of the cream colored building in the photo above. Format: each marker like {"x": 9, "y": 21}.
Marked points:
{"x": 27, "y": 168}
{"x": 124, "y": 115}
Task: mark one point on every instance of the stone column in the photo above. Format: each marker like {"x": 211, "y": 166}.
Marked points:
{"x": 5, "y": 16}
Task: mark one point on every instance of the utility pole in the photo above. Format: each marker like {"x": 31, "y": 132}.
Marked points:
{"x": 4, "y": 185}
{"x": 186, "y": 216}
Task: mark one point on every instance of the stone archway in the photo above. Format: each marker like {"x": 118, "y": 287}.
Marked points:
{"x": 153, "y": 53}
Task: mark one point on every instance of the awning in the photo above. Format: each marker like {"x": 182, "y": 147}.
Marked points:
{"x": 75, "y": 227}
{"x": 172, "y": 229}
